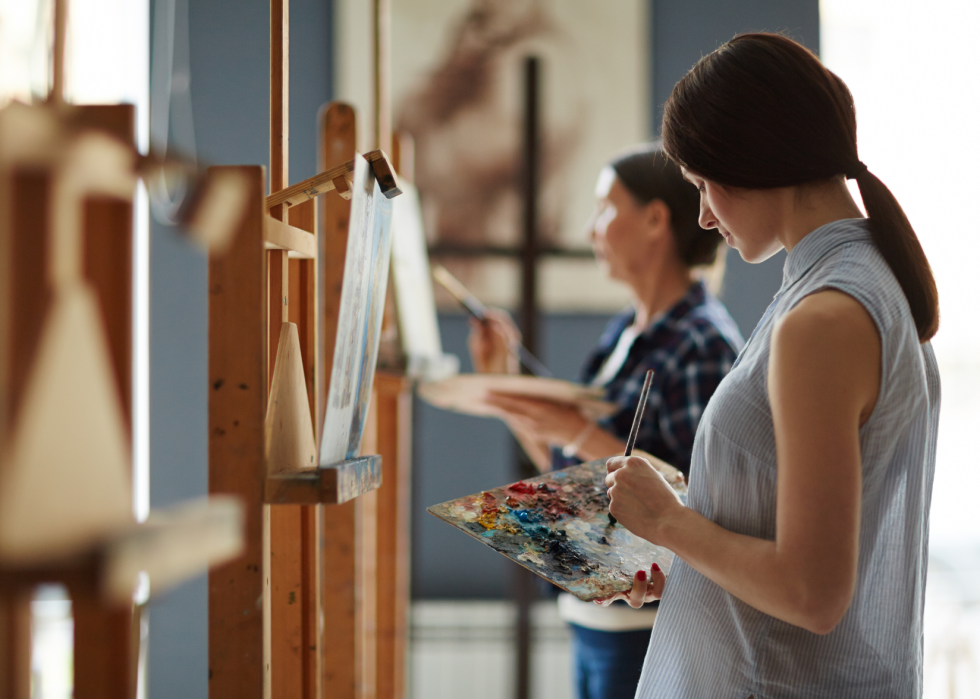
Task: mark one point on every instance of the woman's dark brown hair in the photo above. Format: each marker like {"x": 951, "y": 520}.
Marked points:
{"x": 762, "y": 111}
{"x": 647, "y": 174}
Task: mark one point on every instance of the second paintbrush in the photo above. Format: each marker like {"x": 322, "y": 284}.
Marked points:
{"x": 476, "y": 309}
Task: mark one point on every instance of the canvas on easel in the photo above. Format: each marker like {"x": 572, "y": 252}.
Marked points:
{"x": 365, "y": 283}
{"x": 418, "y": 324}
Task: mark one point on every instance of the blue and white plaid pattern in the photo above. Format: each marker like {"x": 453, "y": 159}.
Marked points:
{"x": 690, "y": 347}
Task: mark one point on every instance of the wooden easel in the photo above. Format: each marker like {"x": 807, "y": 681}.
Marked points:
{"x": 67, "y": 179}
{"x": 297, "y": 615}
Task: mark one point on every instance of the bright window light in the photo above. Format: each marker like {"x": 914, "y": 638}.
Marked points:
{"x": 108, "y": 62}
{"x": 912, "y": 68}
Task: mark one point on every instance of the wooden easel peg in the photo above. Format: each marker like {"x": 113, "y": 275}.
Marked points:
{"x": 337, "y": 179}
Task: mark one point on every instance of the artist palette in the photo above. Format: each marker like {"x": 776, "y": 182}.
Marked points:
{"x": 468, "y": 393}
{"x": 557, "y": 526}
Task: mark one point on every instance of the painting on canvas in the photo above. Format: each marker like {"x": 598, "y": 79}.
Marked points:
{"x": 457, "y": 88}
{"x": 359, "y": 324}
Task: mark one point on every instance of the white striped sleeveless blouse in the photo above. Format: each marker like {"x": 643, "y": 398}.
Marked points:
{"x": 707, "y": 643}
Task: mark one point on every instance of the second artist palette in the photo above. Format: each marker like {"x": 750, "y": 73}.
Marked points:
{"x": 468, "y": 393}
{"x": 557, "y": 526}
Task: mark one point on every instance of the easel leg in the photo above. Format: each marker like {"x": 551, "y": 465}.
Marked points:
{"x": 102, "y": 647}
{"x": 15, "y": 644}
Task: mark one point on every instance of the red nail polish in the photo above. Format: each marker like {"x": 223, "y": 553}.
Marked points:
{"x": 655, "y": 567}
{"x": 641, "y": 575}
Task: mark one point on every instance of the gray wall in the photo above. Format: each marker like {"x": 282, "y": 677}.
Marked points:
{"x": 682, "y": 32}
{"x": 229, "y": 49}
{"x": 455, "y": 455}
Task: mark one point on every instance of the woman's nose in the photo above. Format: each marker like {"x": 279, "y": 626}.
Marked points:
{"x": 706, "y": 219}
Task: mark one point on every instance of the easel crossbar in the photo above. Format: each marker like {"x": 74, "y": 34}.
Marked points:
{"x": 281, "y": 236}
{"x": 337, "y": 178}
{"x": 310, "y": 188}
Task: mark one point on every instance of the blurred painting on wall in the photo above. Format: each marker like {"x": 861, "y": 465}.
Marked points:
{"x": 457, "y": 72}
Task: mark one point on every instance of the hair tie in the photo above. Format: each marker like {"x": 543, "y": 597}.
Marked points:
{"x": 856, "y": 170}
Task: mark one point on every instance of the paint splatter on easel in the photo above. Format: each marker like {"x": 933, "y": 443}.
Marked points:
{"x": 556, "y": 526}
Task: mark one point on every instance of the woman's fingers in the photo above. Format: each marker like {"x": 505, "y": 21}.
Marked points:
{"x": 615, "y": 463}
{"x": 658, "y": 580}
{"x": 502, "y": 323}
{"x": 646, "y": 588}
{"x": 639, "y": 592}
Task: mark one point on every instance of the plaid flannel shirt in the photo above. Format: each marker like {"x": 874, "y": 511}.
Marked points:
{"x": 690, "y": 347}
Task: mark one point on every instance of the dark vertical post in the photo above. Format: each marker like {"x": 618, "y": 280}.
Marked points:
{"x": 529, "y": 251}
{"x": 524, "y": 582}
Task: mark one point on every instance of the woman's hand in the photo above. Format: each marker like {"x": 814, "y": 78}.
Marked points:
{"x": 639, "y": 497}
{"x": 645, "y": 589}
{"x": 549, "y": 421}
{"x": 492, "y": 344}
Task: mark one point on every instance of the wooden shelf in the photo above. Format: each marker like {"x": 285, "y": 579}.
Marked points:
{"x": 173, "y": 545}
{"x": 328, "y": 485}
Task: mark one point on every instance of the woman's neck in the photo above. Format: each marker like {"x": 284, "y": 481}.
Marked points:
{"x": 659, "y": 289}
{"x": 815, "y": 205}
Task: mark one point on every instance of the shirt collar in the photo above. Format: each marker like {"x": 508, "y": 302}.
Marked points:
{"x": 818, "y": 243}
{"x": 694, "y": 297}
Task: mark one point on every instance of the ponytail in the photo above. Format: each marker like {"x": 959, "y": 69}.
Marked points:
{"x": 760, "y": 112}
{"x": 898, "y": 244}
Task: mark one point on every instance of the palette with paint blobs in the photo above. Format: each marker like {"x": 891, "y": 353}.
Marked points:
{"x": 557, "y": 526}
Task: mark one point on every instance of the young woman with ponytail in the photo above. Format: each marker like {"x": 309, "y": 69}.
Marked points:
{"x": 801, "y": 557}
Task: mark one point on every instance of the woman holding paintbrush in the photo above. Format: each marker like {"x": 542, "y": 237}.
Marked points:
{"x": 645, "y": 234}
{"x": 801, "y": 559}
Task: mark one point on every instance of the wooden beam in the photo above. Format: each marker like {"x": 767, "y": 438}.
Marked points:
{"x": 15, "y": 643}
{"x": 28, "y": 295}
{"x": 286, "y": 599}
{"x": 337, "y": 177}
{"x": 108, "y": 256}
{"x": 382, "y": 75}
{"x": 329, "y": 485}
{"x": 285, "y": 536}
{"x": 394, "y": 401}
{"x": 279, "y": 101}
{"x": 102, "y": 657}
{"x": 336, "y": 563}
{"x": 236, "y": 451}
{"x": 366, "y": 573}
{"x": 57, "y": 93}
{"x": 302, "y": 289}
{"x": 282, "y": 236}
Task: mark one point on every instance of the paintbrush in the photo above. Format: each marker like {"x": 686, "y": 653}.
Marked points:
{"x": 637, "y": 419}
{"x": 476, "y": 309}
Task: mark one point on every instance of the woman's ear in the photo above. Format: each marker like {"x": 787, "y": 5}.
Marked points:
{"x": 657, "y": 218}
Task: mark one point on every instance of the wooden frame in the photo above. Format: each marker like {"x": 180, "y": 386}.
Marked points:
{"x": 274, "y": 302}
{"x": 66, "y": 238}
